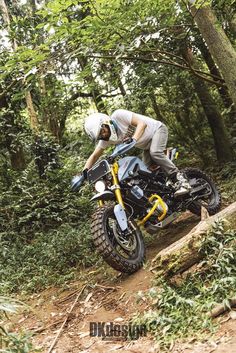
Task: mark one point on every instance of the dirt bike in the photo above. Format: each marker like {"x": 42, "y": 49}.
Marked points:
{"x": 130, "y": 197}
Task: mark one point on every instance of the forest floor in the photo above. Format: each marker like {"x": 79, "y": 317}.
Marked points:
{"x": 114, "y": 299}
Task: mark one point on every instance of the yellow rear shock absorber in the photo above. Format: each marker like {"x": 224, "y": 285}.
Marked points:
{"x": 158, "y": 202}
{"x": 116, "y": 186}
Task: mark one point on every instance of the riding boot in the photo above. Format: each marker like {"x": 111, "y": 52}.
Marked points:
{"x": 181, "y": 183}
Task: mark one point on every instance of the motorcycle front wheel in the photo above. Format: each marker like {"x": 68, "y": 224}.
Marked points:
{"x": 123, "y": 252}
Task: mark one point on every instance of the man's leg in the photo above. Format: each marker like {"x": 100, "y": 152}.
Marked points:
{"x": 158, "y": 145}
{"x": 147, "y": 158}
{"x": 157, "y": 154}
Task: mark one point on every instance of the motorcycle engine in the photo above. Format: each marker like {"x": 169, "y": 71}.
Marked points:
{"x": 148, "y": 203}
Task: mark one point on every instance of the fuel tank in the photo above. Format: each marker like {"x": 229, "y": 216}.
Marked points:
{"x": 130, "y": 164}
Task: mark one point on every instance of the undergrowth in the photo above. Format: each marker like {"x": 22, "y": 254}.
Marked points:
{"x": 44, "y": 231}
{"x": 12, "y": 342}
{"x": 52, "y": 258}
{"x": 180, "y": 310}
{"x": 227, "y": 180}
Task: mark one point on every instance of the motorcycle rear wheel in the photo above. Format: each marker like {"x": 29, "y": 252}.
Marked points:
{"x": 123, "y": 253}
{"x": 213, "y": 202}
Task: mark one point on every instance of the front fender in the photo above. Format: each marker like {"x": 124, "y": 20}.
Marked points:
{"x": 104, "y": 196}
{"x": 121, "y": 217}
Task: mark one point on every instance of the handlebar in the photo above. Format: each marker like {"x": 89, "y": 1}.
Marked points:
{"x": 121, "y": 149}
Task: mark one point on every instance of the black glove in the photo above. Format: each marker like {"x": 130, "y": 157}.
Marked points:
{"x": 85, "y": 173}
{"x": 77, "y": 181}
{"x": 110, "y": 159}
{"x": 129, "y": 140}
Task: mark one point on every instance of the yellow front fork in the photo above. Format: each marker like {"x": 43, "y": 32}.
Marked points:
{"x": 116, "y": 186}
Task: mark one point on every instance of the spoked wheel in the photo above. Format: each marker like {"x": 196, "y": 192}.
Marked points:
{"x": 211, "y": 198}
{"x": 124, "y": 252}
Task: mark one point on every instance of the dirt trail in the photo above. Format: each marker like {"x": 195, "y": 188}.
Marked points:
{"x": 108, "y": 301}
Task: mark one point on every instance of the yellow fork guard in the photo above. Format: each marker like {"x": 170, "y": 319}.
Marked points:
{"x": 159, "y": 201}
{"x": 114, "y": 171}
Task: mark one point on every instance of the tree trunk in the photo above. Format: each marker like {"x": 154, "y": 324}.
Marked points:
{"x": 156, "y": 108}
{"x": 33, "y": 6}
{"x": 219, "y": 45}
{"x": 6, "y": 20}
{"x": 54, "y": 127}
{"x": 121, "y": 87}
{"x": 216, "y": 123}
{"x": 48, "y": 114}
{"x": 30, "y": 106}
{"x": 49, "y": 117}
{"x": 99, "y": 101}
{"x": 94, "y": 90}
{"x": 221, "y": 140}
{"x": 17, "y": 156}
{"x": 184, "y": 253}
{"x": 223, "y": 91}
{"x": 185, "y": 118}
{"x": 34, "y": 124}
{"x": 189, "y": 134}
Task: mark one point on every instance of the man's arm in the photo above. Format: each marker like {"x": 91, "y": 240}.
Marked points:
{"x": 79, "y": 179}
{"x": 93, "y": 157}
{"x": 140, "y": 127}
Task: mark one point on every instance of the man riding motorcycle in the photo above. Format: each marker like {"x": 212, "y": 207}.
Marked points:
{"x": 139, "y": 130}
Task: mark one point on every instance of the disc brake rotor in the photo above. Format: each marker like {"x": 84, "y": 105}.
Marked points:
{"x": 127, "y": 242}
{"x": 207, "y": 196}
{"x": 208, "y": 190}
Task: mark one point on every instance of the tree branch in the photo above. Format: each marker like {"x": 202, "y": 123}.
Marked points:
{"x": 197, "y": 73}
{"x": 90, "y": 95}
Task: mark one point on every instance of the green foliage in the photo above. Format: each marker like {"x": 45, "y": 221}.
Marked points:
{"x": 11, "y": 342}
{"x": 16, "y": 342}
{"x": 179, "y": 309}
{"x": 32, "y": 204}
{"x": 226, "y": 180}
{"x": 52, "y": 258}
{"x": 76, "y": 58}
{"x": 44, "y": 232}
{"x": 97, "y": 46}
{"x": 8, "y": 305}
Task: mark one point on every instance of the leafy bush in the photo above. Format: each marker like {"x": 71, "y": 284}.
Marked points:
{"x": 44, "y": 229}
{"x": 51, "y": 258}
{"x": 11, "y": 342}
{"x": 31, "y": 204}
{"x": 179, "y": 310}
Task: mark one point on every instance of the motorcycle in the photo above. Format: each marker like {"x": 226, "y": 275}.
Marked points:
{"x": 130, "y": 196}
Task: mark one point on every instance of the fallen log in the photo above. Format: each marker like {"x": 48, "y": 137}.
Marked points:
{"x": 181, "y": 255}
{"x": 221, "y": 308}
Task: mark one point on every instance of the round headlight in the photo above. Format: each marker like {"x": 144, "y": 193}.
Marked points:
{"x": 100, "y": 186}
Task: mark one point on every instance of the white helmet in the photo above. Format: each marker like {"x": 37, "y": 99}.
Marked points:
{"x": 93, "y": 125}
